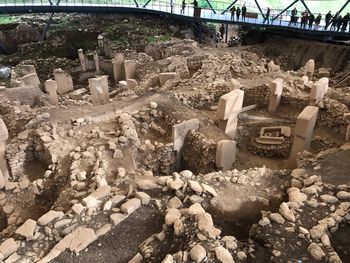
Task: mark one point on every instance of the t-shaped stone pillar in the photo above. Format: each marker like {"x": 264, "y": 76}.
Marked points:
{"x": 4, "y": 173}
{"x": 276, "y": 90}
{"x": 225, "y": 154}
{"x": 318, "y": 90}
{"x": 303, "y": 133}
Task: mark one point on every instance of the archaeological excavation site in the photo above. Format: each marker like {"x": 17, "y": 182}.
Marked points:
{"x": 135, "y": 137}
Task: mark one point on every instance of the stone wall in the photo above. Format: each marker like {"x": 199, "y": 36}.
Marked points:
{"x": 199, "y": 153}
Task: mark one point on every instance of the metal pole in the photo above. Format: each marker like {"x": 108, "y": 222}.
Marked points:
{"x": 147, "y": 3}
{"x": 229, "y": 7}
{"x": 307, "y": 8}
{"x": 226, "y": 33}
{"x": 286, "y": 9}
{"x": 344, "y": 6}
{"x": 261, "y": 12}
{"x": 211, "y": 6}
{"x": 58, "y": 2}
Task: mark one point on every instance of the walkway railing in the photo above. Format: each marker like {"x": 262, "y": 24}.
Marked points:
{"x": 206, "y": 13}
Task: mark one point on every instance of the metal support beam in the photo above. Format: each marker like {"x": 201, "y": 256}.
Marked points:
{"x": 43, "y": 35}
{"x": 171, "y": 6}
{"x": 229, "y": 7}
{"x": 226, "y": 33}
{"x": 149, "y": 1}
{"x": 344, "y": 6}
{"x": 212, "y": 8}
{"x": 307, "y": 8}
{"x": 261, "y": 12}
{"x": 58, "y": 2}
{"x": 137, "y": 5}
{"x": 50, "y": 2}
{"x": 296, "y": 1}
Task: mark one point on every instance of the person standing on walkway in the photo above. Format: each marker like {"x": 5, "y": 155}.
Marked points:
{"x": 334, "y": 21}
{"x": 311, "y": 21}
{"x": 293, "y": 17}
{"x": 238, "y": 13}
{"x": 328, "y": 20}
{"x": 244, "y": 12}
{"x": 267, "y": 16}
{"x": 233, "y": 12}
{"x": 183, "y": 6}
{"x": 304, "y": 19}
{"x": 339, "y": 22}
{"x": 346, "y": 20}
{"x": 318, "y": 21}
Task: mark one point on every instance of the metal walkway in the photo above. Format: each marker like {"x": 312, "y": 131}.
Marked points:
{"x": 170, "y": 9}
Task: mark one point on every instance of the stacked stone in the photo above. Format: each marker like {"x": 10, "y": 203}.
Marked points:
{"x": 331, "y": 115}
{"x": 199, "y": 152}
{"x": 17, "y": 154}
{"x": 258, "y": 95}
{"x": 280, "y": 151}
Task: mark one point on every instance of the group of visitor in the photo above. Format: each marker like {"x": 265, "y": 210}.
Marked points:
{"x": 236, "y": 12}
{"x": 309, "y": 21}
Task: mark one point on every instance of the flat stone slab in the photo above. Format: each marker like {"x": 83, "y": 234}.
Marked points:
{"x": 180, "y": 131}
{"x": 78, "y": 94}
{"x": 130, "y": 206}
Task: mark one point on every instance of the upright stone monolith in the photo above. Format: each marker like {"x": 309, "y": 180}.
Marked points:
{"x": 347, "y": 117}
{"x": 276, "y": 90}
{"x": 303, "y": 133}
{"x": 99, "y": 90}
{"x": 27, "y": 69}
{"x": 118, "y": 67}
{"x": 180, "y": 131}
{"x": 51, "y": 89}
{"x": 64, "y": 81}
{"x": 4, "y": 173}
{"x": 318, "y": 91}
{"x": 130, "y": 69}
{"x": 82, "y": 59}
{"x": 230, "y": 105}
{"x": 31, "y": 79}
{"x": 97, "y": 61}
{"x": 225, "y": 154}
{"x": 309, "y": 69}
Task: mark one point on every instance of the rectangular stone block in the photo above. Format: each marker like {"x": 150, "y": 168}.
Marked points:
{"x": 64, "y": 81}
{"x": 180, "y": 131}
{"x": 31, "y": 79}
{"x": 306, "y": 121}
{"x": 165, "y": 76}
{"x": 225, "y": 154}
{"x": 229, "y": 104}
{"x": 276, "y": 90}
{"x": 99, "y": 90}
{"x": 130, "y": 206}
{"x": 117, "y": 218}
{"x": 130, "y": 69}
